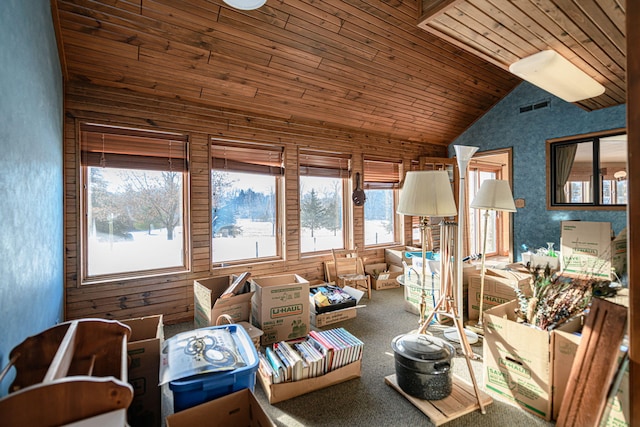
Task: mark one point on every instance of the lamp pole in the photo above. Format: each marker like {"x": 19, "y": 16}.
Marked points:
{"x": 463, "y": 155}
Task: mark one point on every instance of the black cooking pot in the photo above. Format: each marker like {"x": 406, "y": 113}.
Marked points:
{"x": 423, "y": 365}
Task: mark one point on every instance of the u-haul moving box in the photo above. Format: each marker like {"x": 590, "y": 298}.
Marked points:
{"x": 280, "y": 307}
{"x": 585, "y": 249}
{"x": 499, "y": 288}
{"x": 517, "y": 360}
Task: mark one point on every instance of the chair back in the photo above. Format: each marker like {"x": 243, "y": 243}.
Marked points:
{"x": 346, "y": 261}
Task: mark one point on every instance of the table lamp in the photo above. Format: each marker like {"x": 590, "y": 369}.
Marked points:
{"x": 426, "y": 194}
{"x": 493, "y": 195}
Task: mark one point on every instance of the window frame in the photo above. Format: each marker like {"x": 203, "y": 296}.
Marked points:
{"x": 595, "y": 186}
{"x": 323, "y": 164}
{"x": 150, "y": 160}
{"x": 262, "y": 165}
{"x": 384, "y": 174}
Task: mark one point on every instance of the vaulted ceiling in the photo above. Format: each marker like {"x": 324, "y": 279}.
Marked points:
{"x": 421, "y": 70}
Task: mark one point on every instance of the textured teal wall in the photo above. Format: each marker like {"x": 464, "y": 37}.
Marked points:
{"x": 504, "y": 126}
{"x": 31, "y": 242}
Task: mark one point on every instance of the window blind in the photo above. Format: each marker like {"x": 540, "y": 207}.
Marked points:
{"x": 247, "y": 157}
{"x": 118, "y": 147}
{"x": 317, "y": 163}
{"x": 381, "y": 174}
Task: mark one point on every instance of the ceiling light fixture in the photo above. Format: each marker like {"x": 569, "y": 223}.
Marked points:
{"x": 553, "y": 73}
{"x": 245, "y": 4}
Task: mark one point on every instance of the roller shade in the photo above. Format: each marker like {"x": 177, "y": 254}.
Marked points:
{"x": 117, "y": 147}
{"x": 381, "y": 174}
{"x": 316, "y": 163}
{"x": 251, "y": 158}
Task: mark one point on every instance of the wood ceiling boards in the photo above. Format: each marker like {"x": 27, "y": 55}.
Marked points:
{"x": 351, "y": 64}
{"x": 589, "y": 33}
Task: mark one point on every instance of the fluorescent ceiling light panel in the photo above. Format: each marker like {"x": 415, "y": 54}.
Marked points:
{"x": 553, "y": 73}
{"x": 245, "y": 4}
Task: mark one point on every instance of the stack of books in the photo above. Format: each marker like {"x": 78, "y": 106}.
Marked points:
{"x": 318, "y": 353}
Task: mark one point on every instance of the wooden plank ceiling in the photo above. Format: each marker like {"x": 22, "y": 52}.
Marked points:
{"x": 589, "y": 33}
{"x": 352, "y": 64}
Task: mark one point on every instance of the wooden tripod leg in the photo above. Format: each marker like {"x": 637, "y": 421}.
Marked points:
{"x": 466, "y": 349}
{"x": 427, "y": 322}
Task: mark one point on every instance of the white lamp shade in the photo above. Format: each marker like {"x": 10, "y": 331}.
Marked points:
{"x": 245, "y": 4}
{"x": 495, "y": 195}
{"x": 553, "y": 73}
{"x": 427, "y": 193}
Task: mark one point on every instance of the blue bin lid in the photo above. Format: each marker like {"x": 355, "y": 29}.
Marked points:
{"x": 247, "y": 351}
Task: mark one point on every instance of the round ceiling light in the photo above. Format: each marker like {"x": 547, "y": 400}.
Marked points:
{"x": 245, "y": 4}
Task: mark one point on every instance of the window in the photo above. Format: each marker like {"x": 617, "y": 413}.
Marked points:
{"x": 381, "y": 182}
{"x": 133, "y": 201}
{"x": 476, "y": 175}
{"x": 322, "y": 196}
{"x": 588, "y": 171}
{"x": 245, "y": 193}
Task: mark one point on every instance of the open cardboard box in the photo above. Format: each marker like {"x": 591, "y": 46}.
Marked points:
{"x": 143, "y": 350}
{"x": 517, "y": 362}
{"x": 383, "y": 275}
{"x": 324, "y": 319}
{"x": 284, "y": 391}
{"x": 240, "y": 408}
{"x": 208, "y": 305}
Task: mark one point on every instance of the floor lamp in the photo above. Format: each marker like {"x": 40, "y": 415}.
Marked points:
{"x": 493, "y": 195}
{"x": 446, "y": 304}
{"x": 426, "y": 194}
{"x": 464, "y": 153}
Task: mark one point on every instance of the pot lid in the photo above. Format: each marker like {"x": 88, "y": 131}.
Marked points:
{"x": 420, "y": 346}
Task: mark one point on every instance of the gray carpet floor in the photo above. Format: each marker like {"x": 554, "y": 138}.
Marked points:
{"x": 368, "y": 400}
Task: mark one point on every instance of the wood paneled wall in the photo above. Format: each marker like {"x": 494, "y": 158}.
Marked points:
{"x": 172, "y": 295}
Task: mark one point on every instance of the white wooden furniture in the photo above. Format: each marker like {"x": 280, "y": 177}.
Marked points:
{"x": 350, "y": 270}
{"x": 70, "y": 372}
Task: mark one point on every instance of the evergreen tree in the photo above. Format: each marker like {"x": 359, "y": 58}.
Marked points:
{"x": 312, "y": 212}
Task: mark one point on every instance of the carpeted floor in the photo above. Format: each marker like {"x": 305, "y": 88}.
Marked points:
{"x": 369, "y": 401}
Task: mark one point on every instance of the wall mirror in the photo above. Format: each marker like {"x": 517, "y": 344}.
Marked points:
{"x": 588, "y": 171}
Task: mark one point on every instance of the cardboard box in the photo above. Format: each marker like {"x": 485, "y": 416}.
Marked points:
{"x": 499, "y": 288}
{"x": 619, "y": 253}
{"x": 617, "y": 413}
{"x": 413, "y": 291}
{"x": 565, "y": 347}
{"x": 383, "y": 276}
{"x": 586, "y": 249}
{"x": 395, "y": 256}
{"x": 283, "y": 391}
{"x": 335, "y": 316}
{"x": 517, "y": 360}
{"x": 541, "y": 261}
{"x": 208, "y": 306}
{"x": 236, "y": 409}
{"x": 280, "y": 307}
{"x": 143, "y": 349}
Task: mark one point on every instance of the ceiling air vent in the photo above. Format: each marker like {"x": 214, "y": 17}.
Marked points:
{"x": 536, "y": 106}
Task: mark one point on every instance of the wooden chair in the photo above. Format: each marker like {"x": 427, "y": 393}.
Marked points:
{"x": 350, "y": 270}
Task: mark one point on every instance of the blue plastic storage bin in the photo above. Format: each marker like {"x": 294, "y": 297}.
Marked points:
{"x": 201, "y": 388}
